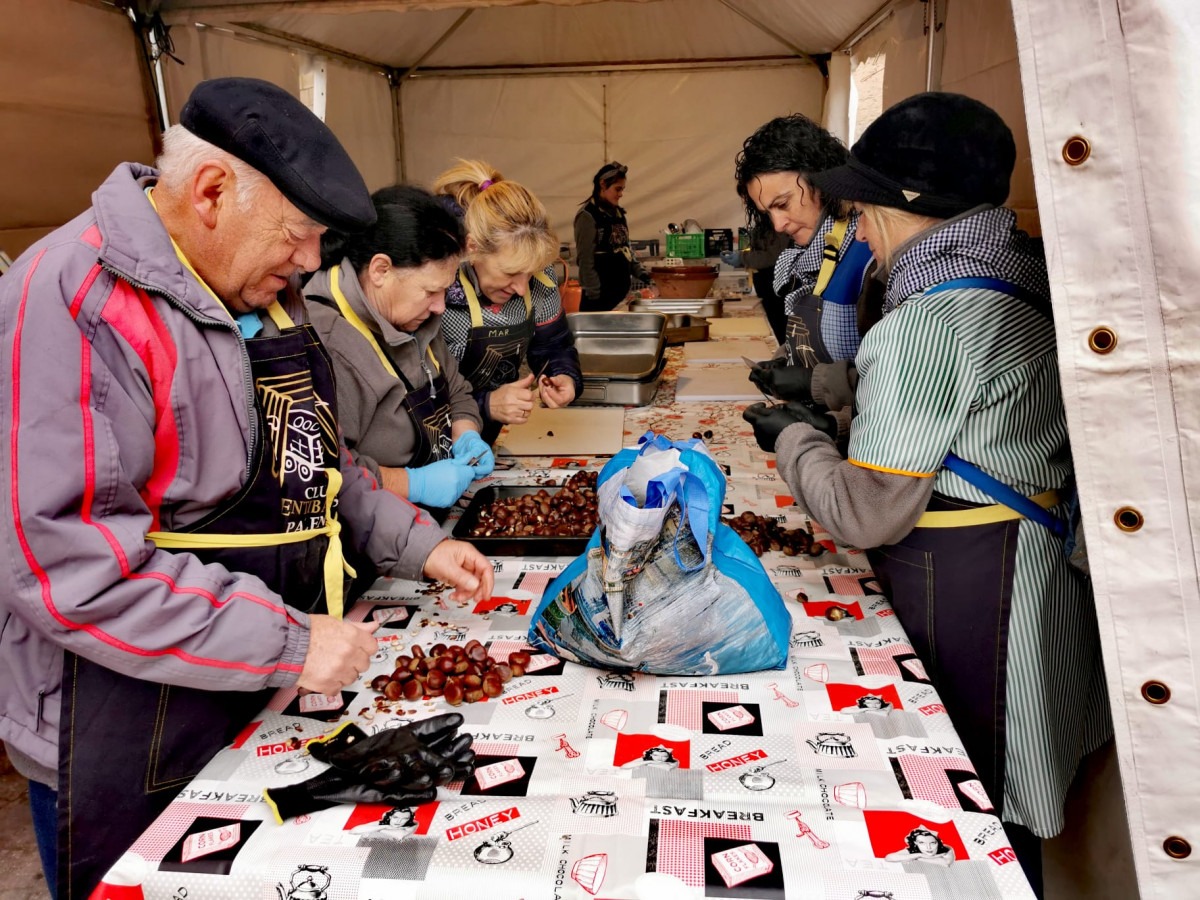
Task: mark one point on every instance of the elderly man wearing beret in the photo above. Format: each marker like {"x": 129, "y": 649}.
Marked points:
{"x": 179, "y": 507}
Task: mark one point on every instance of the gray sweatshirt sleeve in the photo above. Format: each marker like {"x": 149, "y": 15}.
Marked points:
{"x": 585, "y": 254}
{"x": 858, "y": 506}
{"x": 833, "y": 384}
{"x": 462, "y": 398}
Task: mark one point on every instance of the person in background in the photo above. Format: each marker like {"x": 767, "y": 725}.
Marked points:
{"x": 504, "y": 308}
{"x": 407, "y": 414}
{"x": 959, "y": 466}
{"x": 179, "y": 492}
{"x": 760, "y": 259}
{"x": 825, "y": 277}
{"x": 606, "y": 261}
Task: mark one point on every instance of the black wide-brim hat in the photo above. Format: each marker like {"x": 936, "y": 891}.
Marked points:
{"x": 265, "y": 126}
{"x": 933, "y": 154}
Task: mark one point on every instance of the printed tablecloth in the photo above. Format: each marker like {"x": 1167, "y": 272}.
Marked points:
{"x": 839, "y": 777}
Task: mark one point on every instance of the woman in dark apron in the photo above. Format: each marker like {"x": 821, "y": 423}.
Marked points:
{"x": 959, "y": 471}
{"x": 127, "y": 745}
{"x": 505, "y": 310}
{"x": 606, "y": 261}
{"x": 825, "y": 277}
{"x": 407, "y": 415}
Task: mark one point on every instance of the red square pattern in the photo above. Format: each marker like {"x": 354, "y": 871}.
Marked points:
{"x": 881, "y": 660}
{"x": 535, "y": 582}
{"x": 168, "y": 828}
{"x": 499, "y": 650}
{"x": 496, "y": 749}
{"x": 887, "y": 829}
{"x": 927, "y": 779}
{"x": 683, "y": 707}
{"x": 681, "y": 846}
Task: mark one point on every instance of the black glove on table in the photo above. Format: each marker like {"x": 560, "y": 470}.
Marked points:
{"x": 333, "y": 787}
{"x": 777, "y": 378}
{"x": 401, "y": 766}
{"x": 424, "y": 754}
{"x": 769, "y": 421}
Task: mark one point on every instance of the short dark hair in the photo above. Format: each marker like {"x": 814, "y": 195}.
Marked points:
{"x": 412, "y": 227}
{"x": 792, "y": 143}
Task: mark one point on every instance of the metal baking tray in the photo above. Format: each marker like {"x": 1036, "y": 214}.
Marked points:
{"x": 709, "y": 307}
{"x": 530, "y": 545}
{"x": 625, "y": 346}
{"x": 621, "y": 391}
{"x": 682, "y": 327}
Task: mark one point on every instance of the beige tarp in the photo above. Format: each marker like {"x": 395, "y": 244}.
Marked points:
{"x": 72, "y": 106}
{"x": 677, "y": 131}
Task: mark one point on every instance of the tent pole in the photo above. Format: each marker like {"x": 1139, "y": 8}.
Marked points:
{"x": 869, "y": 25}
{"x": 446, "y": 35}
{"x": 766, "y": 29}
{"x": 398, "y": 125}
{"x": 931, "y": 43}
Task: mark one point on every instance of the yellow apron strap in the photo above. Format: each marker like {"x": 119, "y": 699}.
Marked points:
{"x": 352, "y": 317}
{"x": 437, "y": 366}
{"x": 335, "y": 561}
{"x": 545, "y": 279}
{"x": 278, "y": 315}
{"x": 833, "y": 243}
{"x": 983, "y": 515}
{"x": 472, "y": 299}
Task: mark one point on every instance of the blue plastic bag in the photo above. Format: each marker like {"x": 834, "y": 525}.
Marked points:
{"x": 664, "y": 587}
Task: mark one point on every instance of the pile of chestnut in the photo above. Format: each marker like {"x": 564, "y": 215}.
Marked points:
{"x": 455, "y": 673}
{"x": 762, "y": 534}
{"x": 569, "y": 512}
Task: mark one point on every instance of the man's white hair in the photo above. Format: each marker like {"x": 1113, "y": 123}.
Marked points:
{"x": 184, "y": 153}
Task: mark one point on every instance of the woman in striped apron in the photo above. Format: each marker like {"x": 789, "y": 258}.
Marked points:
{"x": 958, "y": 466}
{"x": 505, "y": 309}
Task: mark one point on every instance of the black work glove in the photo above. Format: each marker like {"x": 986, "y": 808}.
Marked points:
{"x": 769, "y": 421}
{"x": 333, "y": 787}
{"x": 777, "y": 378}
{"x": 428, "y": 753}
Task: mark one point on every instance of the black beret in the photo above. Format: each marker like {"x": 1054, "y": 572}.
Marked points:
{"x": 266, "y": 127}
{"x": 933, "y": 154}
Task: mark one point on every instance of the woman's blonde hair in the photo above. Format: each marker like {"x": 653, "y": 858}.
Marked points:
{"x": 885, "y": 222}
{"x": 502, "y": 217}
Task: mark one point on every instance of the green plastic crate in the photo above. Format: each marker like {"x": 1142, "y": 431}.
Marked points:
{"x": 685, "y": 246}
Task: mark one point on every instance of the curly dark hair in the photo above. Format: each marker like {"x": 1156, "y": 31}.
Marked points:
{"x": 921, "y": 831}
{"x": 792, "y": 143}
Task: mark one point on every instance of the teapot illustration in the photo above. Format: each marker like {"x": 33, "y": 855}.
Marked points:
{"x": 308, "y": 883}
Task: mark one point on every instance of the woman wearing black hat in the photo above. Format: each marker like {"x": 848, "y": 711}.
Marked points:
{"x": 823, "y": 276}
{"x": 959, "y": 464}
{"x": 606, "y": 261}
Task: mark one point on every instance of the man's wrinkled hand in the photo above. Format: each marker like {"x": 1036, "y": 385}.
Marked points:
{"x": 463, "y": 567}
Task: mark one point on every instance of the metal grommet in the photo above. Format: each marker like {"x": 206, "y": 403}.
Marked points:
{"x": 1076, "y": 150}
{"x": 1128, "y": 519}
{"x": 1177, "y": 847}
{"x": 1155, "y": 692}
{"x": 1102, "y": 340}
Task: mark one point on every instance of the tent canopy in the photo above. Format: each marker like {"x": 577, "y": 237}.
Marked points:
{"x": 548, "y": 92}
{"x": 399, "y": 34}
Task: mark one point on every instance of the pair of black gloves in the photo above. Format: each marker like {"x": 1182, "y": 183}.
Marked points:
{"x": 399, "y": 766}
{"x": 793, "y": 385}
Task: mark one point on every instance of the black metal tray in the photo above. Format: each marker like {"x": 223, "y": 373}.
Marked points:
{"x": 531, "y": 545}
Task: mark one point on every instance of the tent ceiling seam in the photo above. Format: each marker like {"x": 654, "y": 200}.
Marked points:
{"x": 435, "y": 46}
{"x": 768, "y": 30}
{"x": 296, "y": 42}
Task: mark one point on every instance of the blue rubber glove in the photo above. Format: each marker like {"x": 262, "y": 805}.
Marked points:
{"x": 470, "y": 445}
{"x": 439, "y": 484}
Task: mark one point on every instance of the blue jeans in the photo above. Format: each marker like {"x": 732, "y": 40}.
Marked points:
{"x": 43, "y": 803}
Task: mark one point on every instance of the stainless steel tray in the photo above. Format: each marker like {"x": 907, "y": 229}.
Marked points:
{"x": 619, "y": 391}
{"x": 683, "y": 327}
{"x": 709, "y": 307}
{"x": 623, "y": 346}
